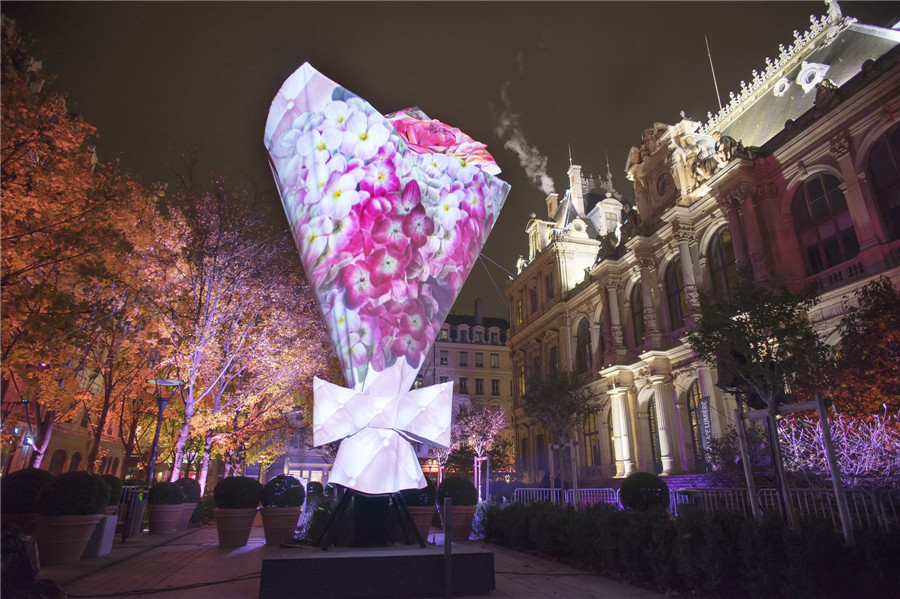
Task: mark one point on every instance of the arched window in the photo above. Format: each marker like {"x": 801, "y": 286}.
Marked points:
{"x": 677, "y": 301}
{"x": 75, "y": 463}
{"x": 114, "y": 467}
{"x": 102, "y": 468}
{"x": 583, "y": 355}
{"x": 698, "y": 433}
{"x": 610, "y": 433}
{"x": 722, "y": 269}
{"x": 652, "y": 422}
{"x": 823, "y": 223}
{"x": 637, "y": 314}
{"x": 884, "y": 173}
{"x": 591, "y": 441}
{"x": 57, "y": 462}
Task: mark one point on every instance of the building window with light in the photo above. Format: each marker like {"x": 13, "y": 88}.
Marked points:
{"x": 479, "y": 386}
{"x": 583, "y": 354}
{"x": 519, "y": 317}
{"x": 884, "y": 175}
{"x": 463, "y": 358}
{"x": 722, "y": 269}
{"x": 445, "y": 357}
{"x": 445, "y": 334}
{"x": 495, "y": 360}
{"x": 495, "y": 386}
{"x": 591, "y": 441}
{"x": 637, "y": 314}
{"x": 464, "y": 385}
{"x": 823, "y": 223}
{"x": 676, "y": 300}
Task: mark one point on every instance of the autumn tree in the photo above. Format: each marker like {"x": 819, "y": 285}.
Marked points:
{"x": 864, "y": 369}
{"x": 478, "y": 428}
{"x": 63, "y": 234}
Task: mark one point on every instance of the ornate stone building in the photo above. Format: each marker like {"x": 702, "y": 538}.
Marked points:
{"x": 796, "y": 178}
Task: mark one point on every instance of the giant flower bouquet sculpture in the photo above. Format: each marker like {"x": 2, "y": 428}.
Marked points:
{"x": 389, "y": 215}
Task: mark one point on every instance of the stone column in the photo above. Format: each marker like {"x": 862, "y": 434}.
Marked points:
{"x": 746, "y": 196}
{"x": 733, "y": 215}
{"x": 652, "y": 335}
{"x": 865, "y": 221}
{"x": 663, "y": 422}
{"x": 622, "y": 431}
{"x": 684, "y": 235}
{"x": 612, "y": 293}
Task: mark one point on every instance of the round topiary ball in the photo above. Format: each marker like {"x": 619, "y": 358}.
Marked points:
{"x": 237, "y": 493}
{"x": 165, "y": 493}
{"x": 73, "y": 494}
{"x": 20, "y": 488}
{"x": 115, "y": 488}
{"x": 461, "y": 491}
{"x": 423, "y": 497}
{"x": 283, "y": 491}
{"x": 644, "y": 491}
{"x": 315, "y": 488}
{"x": 191, "y": 489}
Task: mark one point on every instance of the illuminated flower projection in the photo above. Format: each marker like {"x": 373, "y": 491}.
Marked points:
{"x": 389, "y": 215}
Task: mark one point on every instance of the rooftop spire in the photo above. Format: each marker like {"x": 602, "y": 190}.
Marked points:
{"x": 570, "y": 154}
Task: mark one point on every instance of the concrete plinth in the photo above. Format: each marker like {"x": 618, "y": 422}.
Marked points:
{"x": 384, "y": 572}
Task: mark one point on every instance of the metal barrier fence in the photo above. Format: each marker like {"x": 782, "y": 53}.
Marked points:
{"x": 867, "y": 509}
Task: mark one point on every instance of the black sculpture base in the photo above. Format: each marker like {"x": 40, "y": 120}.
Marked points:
{"x": 389, "y": 572}
{"x": 396, "y": 500}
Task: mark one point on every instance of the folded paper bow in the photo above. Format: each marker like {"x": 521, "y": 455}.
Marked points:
{"x": 376, "y": 455}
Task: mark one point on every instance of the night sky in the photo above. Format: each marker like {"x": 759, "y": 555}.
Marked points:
{"x": 155, "y": 76}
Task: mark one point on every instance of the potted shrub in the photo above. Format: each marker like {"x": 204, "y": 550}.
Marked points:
{"x": 643, "y": 491}
{"x": 116, "y": 490}
{"x": 191, "y": 490}
{"x": 237, "y": 499}
{"x": 420, "y": 503}
{"x": 464, "y": 498}
{"x": 19, "y": 490}
{"x": 164, "y": 504}
{"x": 69, "y": 508}
{"x": 282, "y": 501}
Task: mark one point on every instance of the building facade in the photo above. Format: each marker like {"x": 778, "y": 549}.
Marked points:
{"x": 796, "y": 179}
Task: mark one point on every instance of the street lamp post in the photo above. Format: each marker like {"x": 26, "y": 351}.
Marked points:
{"x": 161, "y": 403}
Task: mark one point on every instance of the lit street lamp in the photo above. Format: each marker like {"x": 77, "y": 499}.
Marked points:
{"x": 161, "y": 403}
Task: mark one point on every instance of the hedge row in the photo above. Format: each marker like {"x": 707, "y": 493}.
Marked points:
{"x": 717, "y": 554}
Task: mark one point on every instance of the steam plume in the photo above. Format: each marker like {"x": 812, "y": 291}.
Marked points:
{"x": 510, "y": 131}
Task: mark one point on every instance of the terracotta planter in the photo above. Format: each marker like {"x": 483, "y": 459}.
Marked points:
{"x": 184, "y": 519}
{"x": 461, "y": 526}
{"x": 422, "y": 516}
{"x": 234, "y": 526}
{"x": 279, "y": 523}
{"x": 27, "y": 522}
{"x": 163, "y": 518}
{"x": 62, "y": 539}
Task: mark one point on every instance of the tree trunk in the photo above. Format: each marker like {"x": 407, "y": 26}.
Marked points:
{"x": 204, "y": 468}
{"x": 97, "y": 436}
{"x": 44, "y": 430}
{"x": 183, "y": 436}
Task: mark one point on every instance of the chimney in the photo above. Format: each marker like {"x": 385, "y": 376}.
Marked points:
{"x": 575, "y": 186}
{"x": 478, "y": 310}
